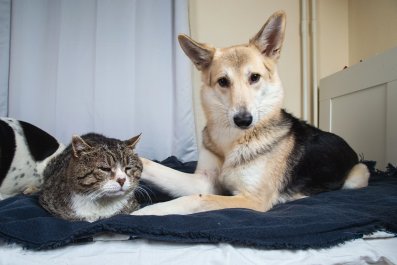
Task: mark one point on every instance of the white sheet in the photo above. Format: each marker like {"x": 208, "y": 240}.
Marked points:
{"x": 376, "y": 250}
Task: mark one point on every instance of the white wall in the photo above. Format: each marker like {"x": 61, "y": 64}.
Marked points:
{"x": 372, "y": 28}
{"x": 332, "y": 36}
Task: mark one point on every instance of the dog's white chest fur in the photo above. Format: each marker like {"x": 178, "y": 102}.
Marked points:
{"x": 243, "y": 179}
{"x": 224, "y": 137}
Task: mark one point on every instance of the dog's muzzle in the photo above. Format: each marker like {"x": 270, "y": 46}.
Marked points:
{"x": 243, "y": 119}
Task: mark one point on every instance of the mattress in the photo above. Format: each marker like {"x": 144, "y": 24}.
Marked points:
{"x": 379, "y": 248}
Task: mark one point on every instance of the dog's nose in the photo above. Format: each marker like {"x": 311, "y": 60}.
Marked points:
{"x": 243, "y": 119}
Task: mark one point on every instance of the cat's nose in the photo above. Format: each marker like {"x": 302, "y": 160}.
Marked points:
{"x": 121, "y": 181}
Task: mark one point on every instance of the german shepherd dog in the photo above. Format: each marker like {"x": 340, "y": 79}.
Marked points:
{"x": 254, "y": 154}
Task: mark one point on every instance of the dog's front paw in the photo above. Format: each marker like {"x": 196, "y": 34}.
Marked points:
{"x": 180, "y": 206}
{"x": 150, "y": 210}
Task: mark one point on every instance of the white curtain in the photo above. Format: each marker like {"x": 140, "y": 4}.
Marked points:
{"x": 5, "y": 19}
{"x": 111, "y": 67}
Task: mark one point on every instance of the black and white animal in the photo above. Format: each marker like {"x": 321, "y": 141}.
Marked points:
{"x": 25, "y": 150}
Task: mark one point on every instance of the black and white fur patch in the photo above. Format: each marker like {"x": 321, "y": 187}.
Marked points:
{"x": 25, "y": 151}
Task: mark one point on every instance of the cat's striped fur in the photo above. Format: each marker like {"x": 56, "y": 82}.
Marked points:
{"x": 94, "y": 177}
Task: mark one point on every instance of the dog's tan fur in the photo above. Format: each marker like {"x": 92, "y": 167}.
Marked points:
{"x": 250, "y": 164}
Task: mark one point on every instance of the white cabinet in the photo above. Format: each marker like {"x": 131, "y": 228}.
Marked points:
{"x": 360, "y": 104}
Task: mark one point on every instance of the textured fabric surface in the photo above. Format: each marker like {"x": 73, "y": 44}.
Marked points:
{"x": 320, "y": 221}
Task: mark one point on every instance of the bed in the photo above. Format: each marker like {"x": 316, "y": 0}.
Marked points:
{"x": 360, "y": 251}
{"x": 331, "y": 228}
{"x": 339, "y": 227}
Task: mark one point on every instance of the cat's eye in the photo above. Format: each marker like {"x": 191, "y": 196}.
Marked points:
{"x": 105, "y": 169}
{"x": 254, "y": 78}
{"x": 127, "y": 168}
{"x": 223, "y": 82}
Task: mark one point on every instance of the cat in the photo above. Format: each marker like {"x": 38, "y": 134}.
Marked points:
{"x": 95, "y": 177}
{"x": 25, "y": 151}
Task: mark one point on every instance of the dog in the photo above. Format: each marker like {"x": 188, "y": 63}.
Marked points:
{"x": 254, "y": 154}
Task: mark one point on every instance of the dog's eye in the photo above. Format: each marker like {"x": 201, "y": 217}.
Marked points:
{"x": 254, "y": 78}
{"x": 223, "y": 82}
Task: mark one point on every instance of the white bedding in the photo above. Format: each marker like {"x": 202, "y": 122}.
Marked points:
{"x": 379, "y": 248}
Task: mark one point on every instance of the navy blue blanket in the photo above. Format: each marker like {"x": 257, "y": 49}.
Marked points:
{"x": 321, "y": 221}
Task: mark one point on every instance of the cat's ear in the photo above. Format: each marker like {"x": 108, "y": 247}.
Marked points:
{"x": 79, "y": 146}
{"x": 131, "y": 143}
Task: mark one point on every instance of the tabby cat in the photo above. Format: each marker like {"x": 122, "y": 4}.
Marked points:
{"x": 94, "y": 177}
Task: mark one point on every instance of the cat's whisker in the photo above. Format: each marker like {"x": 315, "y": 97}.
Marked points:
{"x": 144, "y": 193}
{"x": 148, "y": 191}
{"x": 95, "y": 194}
{"x": 147, "y": 188}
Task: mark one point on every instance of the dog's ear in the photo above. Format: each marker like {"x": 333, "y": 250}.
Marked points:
{"x": 200, "y": 54}
{"x": 269, "y": 39}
